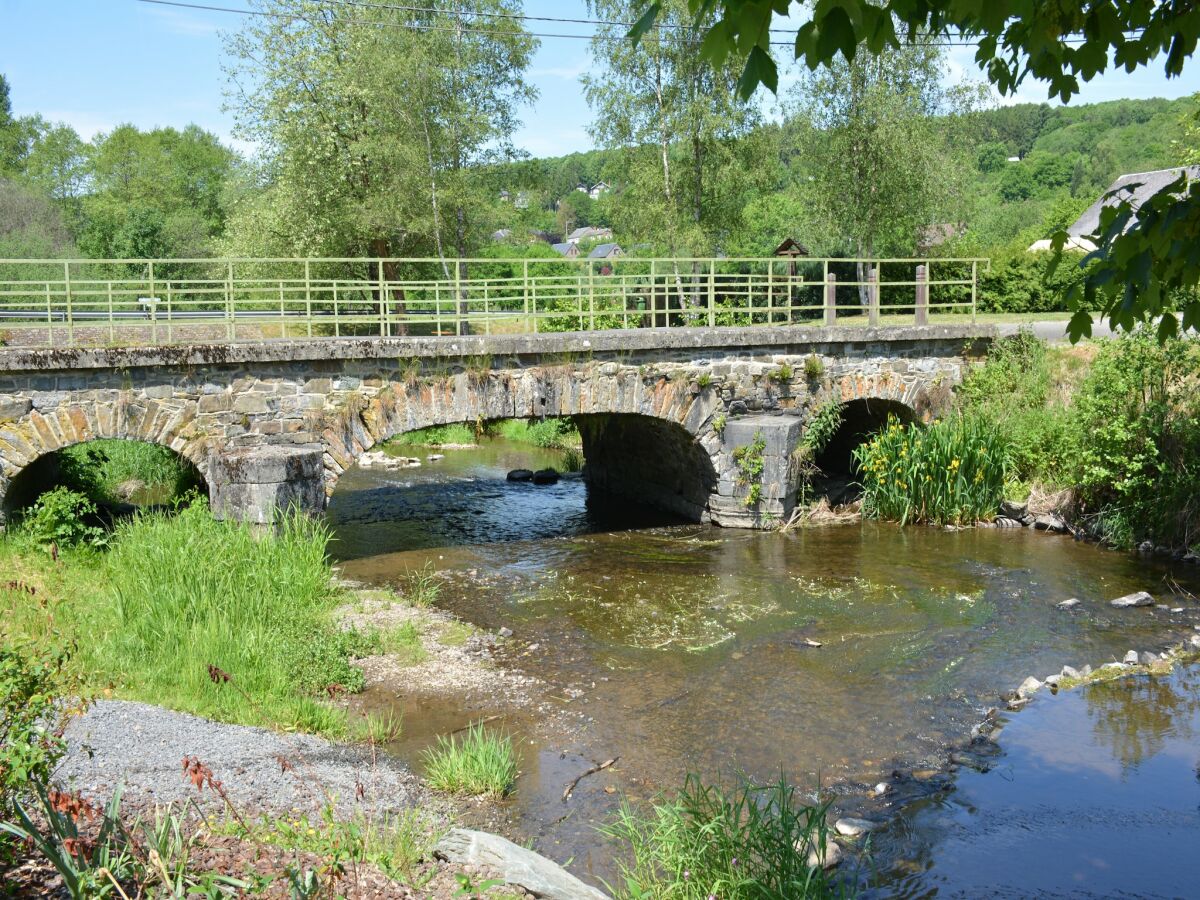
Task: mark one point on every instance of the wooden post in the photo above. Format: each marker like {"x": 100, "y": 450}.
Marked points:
{"x": 830, "y": 296}
{"x": 873, "y": 296}
{"x": 922, "y": 311}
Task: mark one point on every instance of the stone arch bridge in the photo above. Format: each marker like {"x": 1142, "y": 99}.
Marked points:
{"x": 275, "y": 423}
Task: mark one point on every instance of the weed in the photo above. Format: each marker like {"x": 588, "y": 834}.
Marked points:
{"x": 704, "y": 380}
{"x": 783, "y": 374}
{"x": 814, "y": 368}
{"x": 720, "y": 420}
{"x": 455, "y": 634}
{"x": 480, "y": 763}
{"x": 380, "y": 728}
{"x": 710, "y": 841}
{"x": 434, "y": 436}
{"x": 32, "y": 715}
{"x": 750, "y": 464}
{"x": 421, "y": 587}
{"x": 572, "y": 460}
{"x": 61, "y": 519}
{"x": 552, "y": 433}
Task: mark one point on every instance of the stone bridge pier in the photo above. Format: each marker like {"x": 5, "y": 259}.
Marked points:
{"x": 704, "y": 422}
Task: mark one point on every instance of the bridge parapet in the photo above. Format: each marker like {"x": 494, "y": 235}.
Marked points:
{"x": 331, "y": 400}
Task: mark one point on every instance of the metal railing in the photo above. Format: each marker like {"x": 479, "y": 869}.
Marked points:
{"x": 162, "y": 301}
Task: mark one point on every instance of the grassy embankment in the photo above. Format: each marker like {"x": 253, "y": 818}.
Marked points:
{"x": 1108, "y": 434}
{"x": 550, "y": 434}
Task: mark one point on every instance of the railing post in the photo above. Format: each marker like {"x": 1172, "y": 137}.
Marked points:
{"x": 712, "y": 293}
{"x": 230, "y": 327}
{"x": 830, "y": 296}
{"x": 873, "y": 296}
{"x": 112, "y": 328}
{"x": 70, "y": 312}
{"x": 170, "y": 329}
{"x": 153, "y": 305}
{"x": 50, "y": 313}
{"x": 525, "y": 292}
{"x": 383, "y": 329}
{"x": 771, "y": 292}
{"x": 308, "y": 297}
{"x": 653, "y": 293}
{"x": 591, "y": 295}
{"x": 974, "y": 286}
{"x": 922, "y": 309}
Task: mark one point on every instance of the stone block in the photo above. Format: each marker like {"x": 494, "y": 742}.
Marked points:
{"x": 265, "y": 465}
{"x": 13, "y": 408}
{"x": 251, "y": 403}
{"x": 261, "y": 504}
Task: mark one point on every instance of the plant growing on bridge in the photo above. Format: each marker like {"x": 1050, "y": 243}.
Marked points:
{"x": 814, "y": 368}
{"x": 952, "y": 472}
{"x": 750, "y": 464}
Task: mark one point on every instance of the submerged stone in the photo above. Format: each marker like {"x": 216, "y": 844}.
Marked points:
{"x": 520, "y": 475}
{"x": 852, "y": 827}
{"x": 1138, "y": 598}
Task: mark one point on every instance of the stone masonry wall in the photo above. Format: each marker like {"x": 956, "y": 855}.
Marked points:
{"x": 341, "y": 397}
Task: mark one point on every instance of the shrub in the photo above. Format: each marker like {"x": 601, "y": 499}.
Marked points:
{"x": 1136, "y": 441}
{"x": 62, "y": 518}
{"x": 708, "y": 841}
{"x": 101, "y": 468}
{"x": 550, "y": 433}
{"x": 480, "y": 763}
{"x": 1021, "y": 282}
{"x": 814, "y": 368}
{"x": 32, "y": 684}
{"x": 950, "y": 472}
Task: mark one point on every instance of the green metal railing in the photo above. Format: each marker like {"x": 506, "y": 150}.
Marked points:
{"x": 162, "y": 301}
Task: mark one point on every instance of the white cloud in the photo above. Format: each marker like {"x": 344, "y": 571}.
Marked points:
{"x": 567, "y": 73}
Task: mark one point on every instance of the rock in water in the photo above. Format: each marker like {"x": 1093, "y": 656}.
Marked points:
{"x": 1050, "y": 523}
{"x": 1010, "y": 509}
{"x": 1028, "y": 687}
{"x": 1147, "y": 658}
{"x": 852, "y": 827}
{"x": 1069, "y": 603}
{"x": 1131, "y": 658}
{"x": 1069, "y": 672}
{"x": 545, "y": 476}
{"x": 515, "y": 865}
{"x": 520, "y": 475}
{"x": 821, "y": 857}
{"x": 1140, "y": 598}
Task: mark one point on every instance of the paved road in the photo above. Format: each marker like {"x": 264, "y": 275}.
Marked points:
{"x": 1054, "y": 332}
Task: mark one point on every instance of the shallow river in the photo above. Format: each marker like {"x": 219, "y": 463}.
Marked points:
{"x": 695, "y": 648}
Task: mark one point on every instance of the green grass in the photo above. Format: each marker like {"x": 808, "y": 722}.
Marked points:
{"x": 435, "y": 436}
{"x": 404, "y": 644}
{"x": 174, "y": 595}
{"x": 951, "y": 472}
{"x": 455, "y": 634}
{"x": 111, "y": 471}
{"x": 550, "y": 433}
{"x": 421, "y": 587}
{"x": 572, "y": 460}
{"x": 479, "y": 763}
{"x": 711, "y": 841}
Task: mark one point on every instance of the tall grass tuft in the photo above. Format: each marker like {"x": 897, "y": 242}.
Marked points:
{"x": 709, "y": 841}
{"x": 554, "y": 434}
{"x": 951, "y": 472}
{"x": 481, "y": 763}
{"x": 208, "y": 616}
{"x": 436, "y": 436}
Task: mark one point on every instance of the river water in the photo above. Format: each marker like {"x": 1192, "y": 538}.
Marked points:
{"x": 836, "y": 655}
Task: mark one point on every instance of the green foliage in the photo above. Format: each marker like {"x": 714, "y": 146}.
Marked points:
{"x": 822, "y": 424}
{"x": 61, "y": 518}
{"x": 711, "y": 841}
{"x": 750, "y": 463}
{"x": 814, "y": 368}
{"x": 572, "y": 460}
{"x": 1022, "y": 282}
{"x": 34, "y": 691}
{"x": 1136, "y": 447}
{"x": 551, "y": 433}
{"x": 117, "y": 471}
{"x": 720, "y": 420}
{"x": 951, "y": 472}
{"x": 435, "y": 436}
{"x": 481, "y": 763}
{"x": 1015, "y": 389}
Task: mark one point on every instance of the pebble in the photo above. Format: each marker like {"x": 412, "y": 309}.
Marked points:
{"x": 1070, "y": 603}
{"x": 1139, "y": 598}
{"x": 852, "y": 827}
{"x": 1147, "y": 658}
{"x": 505, "y": 632}
{"x": 1069, "y": 672}
{"x": 1131, "y": 658}
{"x": 1194, "y": 640}
{"x": 882, "y": 788}
{"x": 831, "y": 856}
{"x": 1053, "y": 680}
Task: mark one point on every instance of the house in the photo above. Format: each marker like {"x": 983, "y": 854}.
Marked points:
{"x": 1081, "y": 244}
{"x": 1137, "y": 188}
{"x": 569, "y": 250}
{"x": 545, "y": 237}
{"x": 589, "y": 233}
{"x": 606, "y": 251}
{"x": 582, "y": 188}
{"x": 600, "y": 187}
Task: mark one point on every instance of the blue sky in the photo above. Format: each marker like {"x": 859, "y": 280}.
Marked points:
{"x": 98, "y": 63}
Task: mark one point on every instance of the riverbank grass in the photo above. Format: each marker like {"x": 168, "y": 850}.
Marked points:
{"x": 707, "y": 840}
{"x": 195, "y": 614}
{"x": 480, "y": 763}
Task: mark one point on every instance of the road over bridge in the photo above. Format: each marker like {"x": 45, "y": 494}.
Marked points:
{"x": 275, "y": 423}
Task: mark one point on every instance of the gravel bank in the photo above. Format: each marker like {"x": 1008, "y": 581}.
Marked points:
{"x": 142, "y": 747}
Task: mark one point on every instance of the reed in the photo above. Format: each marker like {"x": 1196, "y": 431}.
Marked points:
{"x": 480, "y": 763}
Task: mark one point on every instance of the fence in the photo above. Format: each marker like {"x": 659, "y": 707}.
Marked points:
{"x": 97, "y": 302}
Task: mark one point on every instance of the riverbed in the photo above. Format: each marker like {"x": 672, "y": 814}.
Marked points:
{"x": 836, "y": 655}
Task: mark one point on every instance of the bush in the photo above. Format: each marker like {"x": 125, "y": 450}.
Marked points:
{"x": 952, "y": 472}
{"x": 32, "y": 684}
{"x": 103, "y": 469}
{"x": 707, "y": 841}
{"x": 1013, "y": 389}
{"x": 1136, "y": 440}
{"x": 549, "y": 433}
{"x": 1022, "y": 282}
{"x": 481, "y": 763}
{"x": 61, "y": 518}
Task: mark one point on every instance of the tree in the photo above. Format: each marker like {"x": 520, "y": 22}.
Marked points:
{"x": 371, "y": 121}
{"x": 1148, "y": 261}
{"x": 878, "y": 155}
{"x": 676, "y": 119}
{"x": 31, "y": 226}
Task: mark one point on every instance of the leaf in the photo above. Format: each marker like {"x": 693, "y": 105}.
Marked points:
{"x": 645, "y": 22}
{"x": 760, "y": 69}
